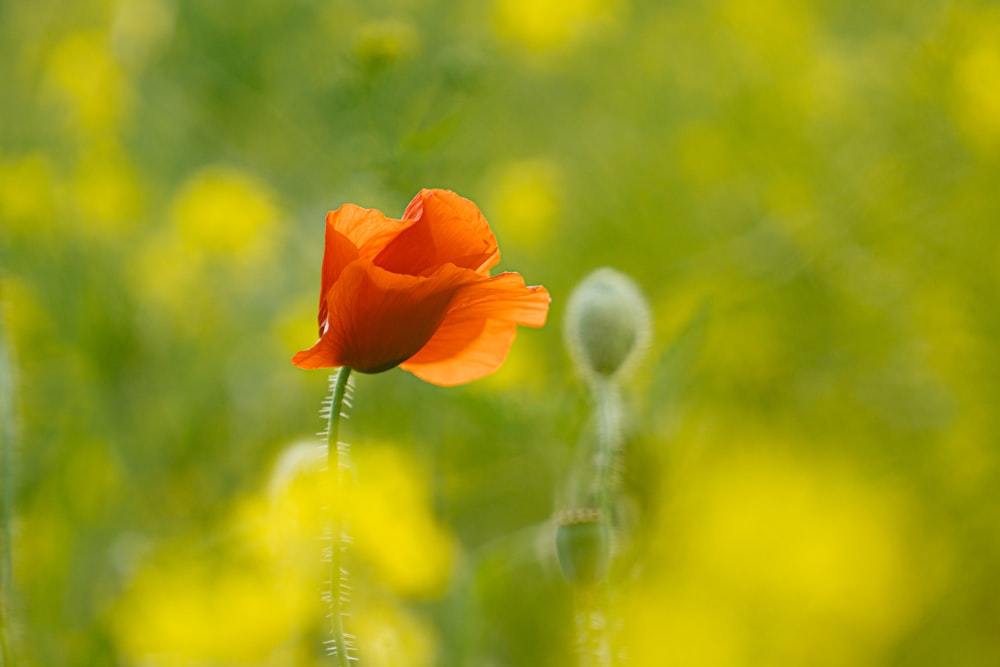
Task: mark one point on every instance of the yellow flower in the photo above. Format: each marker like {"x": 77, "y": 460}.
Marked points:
{"x": 976, "y": 97}
{"x": 106, "y": 193}
{"x": 222, "y": 237}
{"x": 83, "y": 76}
{"x": 548, "y": 25}
{"x": 389, "y": 636}
{"x": 27, "y": 194}
{"x": 225, "y": 212}
{"x": 525, "y": 201}
{"x": 200, "y": 612}
{"x": 777, "y": 559}
{"x": 394, "y": 526}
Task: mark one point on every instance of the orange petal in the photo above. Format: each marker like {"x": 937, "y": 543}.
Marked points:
{"x": 352, "y": 232}
{"x": 378, "y": 319}
{"x": 446, "y": 228}
{"x": 324, "y": 354}
{"x": 483, "y": 348}
{"x": 502, "y": 297}
{"x": 366, "y": 228}
{"x": 478, "y": 330}
{"x": 340, "y": 252}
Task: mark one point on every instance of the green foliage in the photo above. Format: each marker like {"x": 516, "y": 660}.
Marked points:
{"x": 814, "y": 469}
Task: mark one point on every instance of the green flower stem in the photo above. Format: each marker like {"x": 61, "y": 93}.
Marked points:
{"x": 593, "y": 636}
{"x": 609, "y": 439}
{"x": 338, "y": 462}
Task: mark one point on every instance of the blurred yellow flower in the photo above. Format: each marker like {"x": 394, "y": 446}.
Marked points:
{"x": 237, "y": 604}
{"x": 106, "y": 192}
{"x": 682, "y": 625}
{"x": 524, "y": 201}
{"x": 28, "y": 193}
{"x": 256, "y": 597}
{"x": 288, "y": 519}
{"x": 223, "y": 231}
{"x": 225, "y": 212}
{"x": 394, "y": 526}
{"x": 779, "y": 560}
{"x": 976, "y": 98}
{"x": 769, "y": 31}
{"x": 389, "y": 636}
{"x": 83, "y": 76}
{"x": 192, "y": 611}
{"x": 547, "y": 25}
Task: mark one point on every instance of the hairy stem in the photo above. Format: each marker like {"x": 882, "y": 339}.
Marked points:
{"x": 338, "y": 463}
{"x": 609, "y": 440}
{"x": 593, "y": 634}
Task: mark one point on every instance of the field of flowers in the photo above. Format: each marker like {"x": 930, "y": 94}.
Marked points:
{"x": 807, "y": 463}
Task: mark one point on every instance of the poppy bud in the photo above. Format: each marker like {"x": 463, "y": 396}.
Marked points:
{"x": 583, "y": 545}
{"x": 607, "y": 323}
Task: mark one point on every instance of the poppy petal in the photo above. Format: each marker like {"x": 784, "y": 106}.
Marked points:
{"x": 368, "y": 229}
{"x": 352, "y": 232}
{"x": 378, "y": 319}
{"x": 502, "y": 297}
{"x": 447, "y": 228}
{"x": 340, "y": 252}
{"x": 324, "y": 354}
{"x": 483, "y": 348}
{"x": 478, "y": 330}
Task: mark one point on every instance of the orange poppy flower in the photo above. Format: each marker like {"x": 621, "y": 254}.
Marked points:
{"x": 417, "y": 293}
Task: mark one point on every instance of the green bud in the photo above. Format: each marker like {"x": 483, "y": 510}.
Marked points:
{"x": 607, "y": 323}
{"x": 583, "y": 545}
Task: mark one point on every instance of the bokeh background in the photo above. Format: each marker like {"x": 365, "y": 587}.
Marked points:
{"x": 807, "y": 192}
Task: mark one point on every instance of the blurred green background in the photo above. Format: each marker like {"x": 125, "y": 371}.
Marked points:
{"x": 806, "y": 191}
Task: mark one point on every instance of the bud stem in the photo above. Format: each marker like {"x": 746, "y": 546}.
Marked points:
{"x": 609, "y": 438}
{"x": 593, "y": 636}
